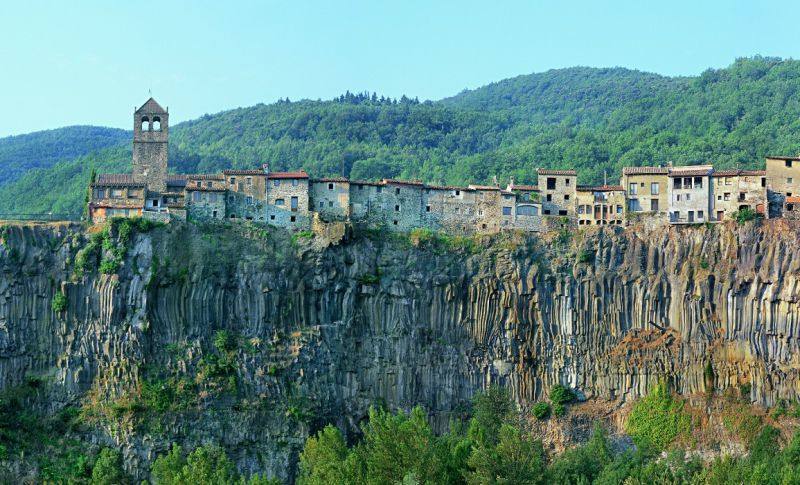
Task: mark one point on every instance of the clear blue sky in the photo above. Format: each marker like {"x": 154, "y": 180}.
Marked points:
{"x": 91, "y": 62}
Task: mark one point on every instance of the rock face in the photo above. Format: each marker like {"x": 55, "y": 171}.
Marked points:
{"x": 316, "y": 334}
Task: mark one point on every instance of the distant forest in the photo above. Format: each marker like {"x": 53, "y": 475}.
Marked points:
{"x": 593, "y": 120}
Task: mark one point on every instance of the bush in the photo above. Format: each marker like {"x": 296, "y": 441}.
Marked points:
{"x": 108, "y": 469}
{"x": 559, "y": 410}
{"x": 109, "y": 266}
{"x": 224, "y": 341}
{"x": 586, "y": 256}
{"x": 561, "y": 395}
{"x": 657, "y": 419}
{"x": 59, "y": 303}
{"x": 745, "y": 215}
{"x": 541, "y": 410}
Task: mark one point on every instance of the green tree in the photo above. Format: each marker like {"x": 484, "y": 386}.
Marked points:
{"x": 324, "y": 458}
{"x": 490, "y": 410}
{"x": 515, "y": 460}
{"x": 108, "y": 468}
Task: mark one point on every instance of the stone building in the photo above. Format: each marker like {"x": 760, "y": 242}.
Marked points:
{"x": 734, "y": 190}
{"x": 600, "y": 205}
{"x": 557, "y": 188}
{"x": 287, "y": 199}
{"x": 246, "y": 194}
{"x": 646, "y": 190}
{"x": 331, "y": 198}
{"x": 783, "y": 180}
{"x": 690, "y": 194}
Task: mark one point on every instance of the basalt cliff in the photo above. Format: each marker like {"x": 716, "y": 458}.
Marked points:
{"x": 252, "y": 338}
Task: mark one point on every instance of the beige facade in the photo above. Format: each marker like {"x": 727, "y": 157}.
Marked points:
{"x": 646, "y": 189}
{"x": 557, "y": 189}
{"x": 734, "y": 190}
{"x": 600, "y": 205}
{"x": 330, "y": 198}
{"x": 690, "y": 194}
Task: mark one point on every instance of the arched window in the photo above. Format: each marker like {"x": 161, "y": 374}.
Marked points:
{"x": 145, "y": 124}
{"x": 156, "y": 123}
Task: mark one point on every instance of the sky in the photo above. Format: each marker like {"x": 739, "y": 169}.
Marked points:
{"x": 91, "y": 62}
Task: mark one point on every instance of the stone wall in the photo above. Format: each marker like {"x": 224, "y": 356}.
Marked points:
{"x": 330, "y": 198}
{"x": 205, "y": 203}
{"x": 279, "y": 210}
{"x": 557, "y": 193}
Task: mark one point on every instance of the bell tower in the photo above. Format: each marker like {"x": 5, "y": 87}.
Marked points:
{"x": 150, "y": 142}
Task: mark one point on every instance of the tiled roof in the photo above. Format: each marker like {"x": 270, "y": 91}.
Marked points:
{"x": 301, "y": 174}
{"x": 332, "y": 179}
{"x": 205, "y": 176}
{"x": 449, "y": 187}
{"x": 778, "y": 157}
{"x": 528, "y": 188}
{"x": 697, "y": 172}
{"x": 599, "y": 188}
{"x": 737, "y": 171}
{"x": 543, "y": 171}
{"x": 753, "y": 172}
{"x": 244, "y": 172}
{"x": 645, "y": 170}
{"x": 117, "y": 180}
{"x": 151, "y": 106}
{"x": 793, "y": 200}
{"x": 483, "y": 187}
{"x": 414, "y": 183}
{"x": 364, "y": 182}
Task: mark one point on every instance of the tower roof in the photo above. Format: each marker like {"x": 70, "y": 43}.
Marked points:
{"x": 151, "y": 106}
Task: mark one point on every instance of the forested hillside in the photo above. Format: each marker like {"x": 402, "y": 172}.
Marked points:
{"x": 594, "y": 120}
{"x": 43, "y": 149}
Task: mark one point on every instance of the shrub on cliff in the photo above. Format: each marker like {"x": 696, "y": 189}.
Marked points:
{"x": 561, "y": 395}
{"x": 108, "y": 469}
{"x": 744, "y": 215}
{"x": 206, "y": 465}
{"x": 515, "y": 459}
{"x": 59, "y": 302}
{"x": 658, "y": 419}
{"x": 541, "y": 410}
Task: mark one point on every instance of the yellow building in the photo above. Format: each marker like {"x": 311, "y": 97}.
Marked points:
{"x": 600, "y": 205}
{"x": 646, "y": 189}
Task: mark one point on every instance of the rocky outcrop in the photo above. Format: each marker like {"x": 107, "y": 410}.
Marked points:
{"x": 315, "y": 333}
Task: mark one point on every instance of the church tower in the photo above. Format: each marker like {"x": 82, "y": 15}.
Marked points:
{"x": 150, "y": 134}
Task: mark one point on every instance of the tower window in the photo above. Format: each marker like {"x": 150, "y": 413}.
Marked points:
{"x": 145, "y": 124}
{"x": 156, "y": 123}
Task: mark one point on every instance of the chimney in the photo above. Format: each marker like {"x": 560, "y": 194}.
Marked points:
{"x": 265, "y": 168}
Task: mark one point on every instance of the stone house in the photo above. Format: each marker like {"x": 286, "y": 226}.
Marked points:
{"x": 646, "y": 190}
{"x": 690, "y": 194}
{"x": 287, "y": 199}
{"x": 557, "y": 189}
{"x": 246, "y": 194}
{"x": 783, "y": 180}
{"x": 600, "y": 205}
{"x": 734, "y": 190}
{"x": 206, "y": 203}
{"x": 330, "y": 198}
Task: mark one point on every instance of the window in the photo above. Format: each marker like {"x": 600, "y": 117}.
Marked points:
{"x": 330, "y": 203}
{"x": 728, "y": 180}
{"x": 145, "y": 126}
{"x": 566, "y": 182}
{"x": 279, "y": 202}
{"x": 156, "y": 123}
{"x": 655, "y": 188}
{"x": 232, "y": 181}
{"x": 619, "y": 209}
{"x": 116, "y": 193}
{"x": 198, "y": 184}
{"x": 633, "y": 189}
{"x": 293, "y": 201}
{"x": 330, "y": 186}
{"x": 549, "y": 197}
{"x": 580, "y": 209}
{"x": 763, "y": 181}
{"x": 546, "y": 212}
{"x": 379, "y": 190}
{"x": 397, "y": 208}
{"x": 360, "y": 187}
{"x": 566, "y": 197}
{"x": 458, "y": 192}
{"x": 719, "y": 197}
{"x": 208, "y": 184}
{"x": 292, "y": 219}
{"x": 195, "y": 196}
{"x": 295, "y": 182}
{"x": 397, "y": 191}
{"x": 727, "y": 196}
{"x": 788, "y": 164}
{"x": 687, "y": 183}
{"x": 789, "y": 207}
{"x": 214, "y": 214}
{"x": 249, "y": 200}
{"x": 276, "y": 183}
{"x": 690, "y": 216}
{"x": 698, "y": 182}
{"x": 248, "y": 180}
{"x": 394, "y": 222}
{"x": 678, "y": 197}
{"x": 272, "y": 217}
{"x": 321, "y": 204}
{"x": 789, "y": 180}
{"x": 676, "y": 183}
{"x": 427, "y": 208}
{"x": 551, "y": 183}
{"x": 742, "y": 196}
{"x": 700, "y": 215}
{"x": 562, "y": 212}
{"x": 688, "y": 196}
{"x": 506, "y": 211}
